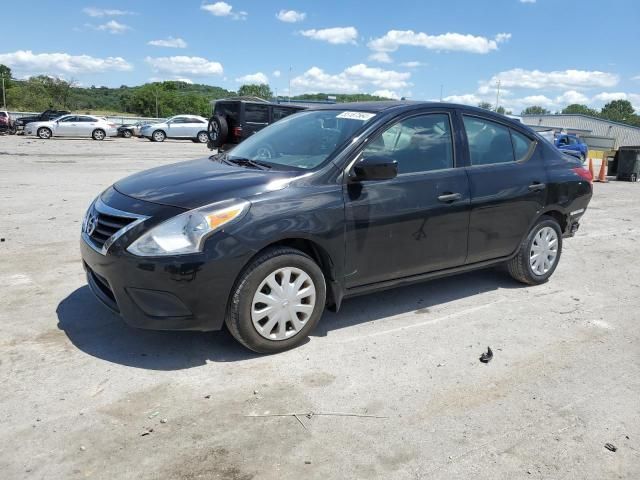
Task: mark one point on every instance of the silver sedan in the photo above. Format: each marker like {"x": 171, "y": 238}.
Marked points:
{"x": 73, "y": 126}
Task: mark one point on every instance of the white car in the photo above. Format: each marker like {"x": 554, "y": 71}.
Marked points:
{"x": 185, "y": 127}
{"x": 73, "y": 126}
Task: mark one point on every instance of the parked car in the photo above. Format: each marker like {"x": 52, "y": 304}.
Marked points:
{"x": 326, "y": 204}
{"x": 234, "y": 120}
{"x": 73, "y": 126}
{"x": 183, "y": 127}
{"x": 43, "y": 117}
{"x": 128, "y": 131}
{"x": 6, "y": 124}
{"x": 574, "y": 143}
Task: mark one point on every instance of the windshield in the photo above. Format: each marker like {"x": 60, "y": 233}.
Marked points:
{"x": 304, "y": 140}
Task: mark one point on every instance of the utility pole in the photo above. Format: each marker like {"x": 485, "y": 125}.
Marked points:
{"x": 441, "y": 86}
{"x": 498, "y": 96}
{"x": 4, "y": 98}
{"x": 289, "y": 78}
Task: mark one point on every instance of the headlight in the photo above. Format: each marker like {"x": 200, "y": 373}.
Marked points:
{"x": 186, "y": 233}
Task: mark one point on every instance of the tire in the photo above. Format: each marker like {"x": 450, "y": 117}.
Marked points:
{"x": 44, "y": 133}
{"x": 218, "y": 131}
{"x": 127, "y": 134}
{"x": 203, "y": 137}
{"x": 98, "y": 134}
{"x": 158, "y": 136}
{"x": 523, "y": 267}
{"x": 245, "y": 312}
{"x": 265, "y": 152}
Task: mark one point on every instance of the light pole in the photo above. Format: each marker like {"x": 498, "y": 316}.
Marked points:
{"x": 4, "y": 98}
{"x": 498, "y": 96}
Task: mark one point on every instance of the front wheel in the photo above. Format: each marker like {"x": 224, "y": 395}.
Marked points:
{"x": 127, "y": 134}
{"x": 44, "y": 133}
{"x": 203, "y": 137}
{"x": 538, "y": 254}
{"x": 277, "y": 300}
{"x": 158, "y": 136}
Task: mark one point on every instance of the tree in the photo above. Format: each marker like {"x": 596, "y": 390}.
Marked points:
{"x": 535, "y": 110}
{"x": 254, "y": 90}
{"x": 485, "y": 105}
{"x": 502, "y": 111}
{"x": 619, "y": 111}
{"x": 577, "y": 108}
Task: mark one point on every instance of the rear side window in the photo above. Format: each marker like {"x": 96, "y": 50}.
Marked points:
{"x": 522, "y": 145}
{"x": 279, "y": 112}
{"x": 256, "y": 113}
{"x": 489, "y": 142}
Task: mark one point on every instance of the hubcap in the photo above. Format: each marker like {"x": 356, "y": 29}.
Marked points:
{"x": 99, "y": 135}
{"x": 283, "y": 303}
{"x": 544, "y": 251}
{"x": 158, "y": 136}
{"x": 44, "y": 133}
{"x": 202, "y": 137}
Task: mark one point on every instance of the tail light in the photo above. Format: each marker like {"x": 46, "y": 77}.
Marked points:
{"x": 237, "y": 131}
{"x": 584, "y": 173}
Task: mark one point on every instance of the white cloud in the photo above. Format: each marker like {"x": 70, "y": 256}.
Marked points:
{"x": 171, "y": 78}
{"x": 223, "y": 9}
{"x": 637, "y": 77}
{"x": 386, "y": 94}
{"x": 336, "y": 35}
{"x": 536, "y": 79}
{"x": 356, "y": 78}
{"x": 113, "y": 27}
{"x": 105, "y": 12}
{"x": 527, "y": 1}
{"x": 412, "y": 64}
{"x": 570, "y": 97}
{"x": 180, "y": 65}
{"x": 382, "y": 57}
{"x": 540, "y": 100}
{"x": 290, "y": 16}
{"x": 253, "y": 78}
{"x": 606, "y": 97}
{"x": 277, "y": 73}
{"x": 394, "y": 39}
{"x": 27, "y": 62}
{"x": 466, "y": 99}
{"x": 169, "y": 42}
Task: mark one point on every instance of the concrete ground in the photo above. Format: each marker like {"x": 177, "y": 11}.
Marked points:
{"x": 84, "y": 396}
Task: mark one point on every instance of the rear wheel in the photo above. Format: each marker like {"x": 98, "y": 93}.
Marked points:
{"x": 158, "y": 136}
{"x": 127, "y": 134}
{"x": 44, "y": 133}
{"x": 539, "y": 253}
{"x": 277, "y": 300}
{"x": 203, "y": 137}
{"x": 98, "y": 134}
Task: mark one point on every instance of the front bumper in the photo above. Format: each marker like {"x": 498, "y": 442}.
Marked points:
{"x": 182, "y": 292}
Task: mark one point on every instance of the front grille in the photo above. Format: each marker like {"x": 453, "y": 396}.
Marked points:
{"x": 103, "y": 225}
{"x": 107, "y": 226}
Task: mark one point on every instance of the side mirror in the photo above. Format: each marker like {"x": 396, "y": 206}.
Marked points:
{"x": 377, "y": 167}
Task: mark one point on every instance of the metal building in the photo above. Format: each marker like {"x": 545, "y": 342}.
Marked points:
{"x": 598, "y": 133}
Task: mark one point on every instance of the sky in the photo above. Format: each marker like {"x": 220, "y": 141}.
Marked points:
{"x": 542, "y": 52}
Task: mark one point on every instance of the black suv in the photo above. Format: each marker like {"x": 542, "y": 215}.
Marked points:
{"x": 236, "y": 119}
{"x": 43, "y": 117}
{"x": 351, "y": 198}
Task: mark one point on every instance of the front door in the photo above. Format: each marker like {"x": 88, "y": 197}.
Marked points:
{"x": 67, "y": 126}
{"x": 507, "y": 179}
{"x": 416, "y": 222}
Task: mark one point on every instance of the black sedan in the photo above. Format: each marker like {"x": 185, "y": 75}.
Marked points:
{"x": 326, "y": 204}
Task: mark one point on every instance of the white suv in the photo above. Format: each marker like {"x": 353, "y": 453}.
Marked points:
{"x": 185, "y": 127}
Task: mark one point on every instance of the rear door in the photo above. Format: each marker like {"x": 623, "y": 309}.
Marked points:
{"x": 193, "y": 126}
{"x": 507, "y": 179}
{"x": 256, "y": 117}
{"x": 416, "y": 222}
{"x": 85, "y": 125}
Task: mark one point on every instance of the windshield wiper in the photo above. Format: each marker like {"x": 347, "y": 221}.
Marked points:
{"x": 248, "y": 162}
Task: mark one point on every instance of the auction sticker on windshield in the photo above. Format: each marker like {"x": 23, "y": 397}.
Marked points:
{"x": 356, "y": 115}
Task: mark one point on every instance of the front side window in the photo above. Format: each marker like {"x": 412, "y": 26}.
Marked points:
{"x": 68, "y": 119}
{"x": 179, "y": 120}
{"x": 256, "y": 113}
{"x": 302, "y": 141}
{"x": 418, "y": 144}
{"x": 489, "y": 142}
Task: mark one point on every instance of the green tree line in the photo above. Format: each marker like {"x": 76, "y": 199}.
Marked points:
{"x": 617, "y": 111}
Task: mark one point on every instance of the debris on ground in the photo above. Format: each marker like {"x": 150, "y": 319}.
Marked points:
{"x": 441, "y": 365}
{"x": 148, "y": 431}
{"x": 164, "y": 420}
{"x": 486, "y": 356}
{"x": 154, "y": 414}
{"x": 207, "y": 397}
{"x": 82, "y": 448}
{"x": 611, "y": 447}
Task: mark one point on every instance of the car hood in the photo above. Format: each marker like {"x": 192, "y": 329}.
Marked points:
{"x": 195, "y": 183}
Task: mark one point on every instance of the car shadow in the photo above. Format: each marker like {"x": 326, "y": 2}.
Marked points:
{"x": 101, "y": 333}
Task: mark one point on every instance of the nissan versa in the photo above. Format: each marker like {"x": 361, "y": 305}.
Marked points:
{"x": 326, "y": 204}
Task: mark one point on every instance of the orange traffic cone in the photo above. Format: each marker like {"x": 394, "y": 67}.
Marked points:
{"x": 591, "y": 168}
{"x": 602, "y": 175}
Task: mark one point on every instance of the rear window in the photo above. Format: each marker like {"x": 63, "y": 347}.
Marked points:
{"x": 231, "y": 111}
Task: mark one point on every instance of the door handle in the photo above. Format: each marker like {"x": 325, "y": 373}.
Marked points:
{"x": 450, "y": 197}
{"x": 536, "y": 186}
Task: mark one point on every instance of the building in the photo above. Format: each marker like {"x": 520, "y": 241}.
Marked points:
{"x": 597, "y": 133}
